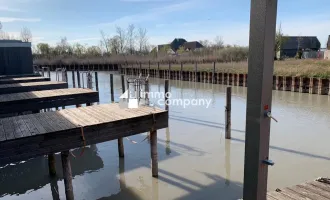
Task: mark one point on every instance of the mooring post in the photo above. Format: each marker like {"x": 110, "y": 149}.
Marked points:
{"x": 213, "y": 74}
{"x": 259, "y": 98}
{"x": 67, "y": 175}
{"x": 158, "y": 70}
{"x": 96, "y": 81}
{"x": 73, "y": 80}
{"x": 196, "y": 79}
{"x": 111, "y": 89}
{"x": 78, "y": 79}
{"x": 120, "y": 140}
{"x": 51, "y": 164}
{"x": 181, "y": 75}
{"x": 154, "y": 156}
{"x": 228, "y": 113}
{"x": 166, "y": 94}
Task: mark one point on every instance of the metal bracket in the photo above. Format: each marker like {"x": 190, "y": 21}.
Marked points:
{"x": 268, "y": 162}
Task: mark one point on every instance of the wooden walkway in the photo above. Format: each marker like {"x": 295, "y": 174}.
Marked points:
{"x": 38, "y": 100}
{"x": 23, "y": 80}
{"x": 32, "y": 86}
{"x": 314, "y": 190}
{"x": 27, "y": 136}
{"x": 19, "y": 75}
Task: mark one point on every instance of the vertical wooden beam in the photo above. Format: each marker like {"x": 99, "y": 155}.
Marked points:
{"x": 67, "y": 175}
{"x": 154, "y": 156}
{"x": 51, "y": 164}
{"x": 181, "y": 76}
{"x": 78, "y": 79}
{"x": 158, "y": 74}
{"x": 96, "y": 81}
{"x": 120, "y": 140}
{"x": 213, "y": 74}
{"x": 73, "y": 80}
{"x": 196, "y": 79}
{"x": 111, "y": 89}
{"x": 228, "y": 114}
{"x": 166, "y": 96}
{"x": 259, "y": 98}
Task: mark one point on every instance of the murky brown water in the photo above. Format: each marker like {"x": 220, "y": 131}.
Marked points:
{"x": 195, "y": 161}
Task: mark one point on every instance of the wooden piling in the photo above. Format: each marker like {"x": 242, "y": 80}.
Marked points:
{"x": 154, "y": 156}
{"x": 120, "y": 140}
{"x": 228, "y": 114}
{"x": 111, "y": 89}
{"x": 78, "y": 79}
{"x": 67, "y": 175}
{"x": 166, "y": 94}
{"x": 96, "y": 81}
{"x": 213, "y": 74}
{"x": 51, "y": 164}
{"x": 73, "y": 80}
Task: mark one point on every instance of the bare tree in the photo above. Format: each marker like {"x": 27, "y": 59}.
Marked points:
{"x": 114, "y": 45}
{"x": 218, "y": 42}
{"x": 121, "y": 36}
{"x": 105, "y": 41}
{"x": 205, "y": 43}
{"x": 142, "y": 39}
{"x": 26, "y": 35}
{"x": 131, "y": 38}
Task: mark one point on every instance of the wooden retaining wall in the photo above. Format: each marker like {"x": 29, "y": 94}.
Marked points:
{"x": 284, "y": 83}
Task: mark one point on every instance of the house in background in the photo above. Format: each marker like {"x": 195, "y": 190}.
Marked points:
{"x": 180, "y": 42}
{"x": 292, "y": 44}
{"x": 327, "y": 51}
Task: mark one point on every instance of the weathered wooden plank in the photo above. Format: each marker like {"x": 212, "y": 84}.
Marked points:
{"x": 9, "y": 129}
{"x": 306, "y": 193}
{"x": 292, "y": 194}
{"x": 315, "y": 190}
{"x": 23, "y": 80}
{"x": 33, "y": 130}
{"x": 323, "y": 186}
{"x": 37, "y": 124}
{"x": 279, "y": 196}
{"x": 19, "y": 75}
{"x": 2, "y": 132}
{"x": 32, "y": 86}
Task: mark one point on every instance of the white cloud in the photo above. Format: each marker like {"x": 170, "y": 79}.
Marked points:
{"x": 8, "y": 9}
{"x": 14, "y": 19}
{"x": 151, "y": 14}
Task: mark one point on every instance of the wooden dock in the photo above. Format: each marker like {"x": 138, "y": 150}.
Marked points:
{"x": 27, "y": 136}
{"x": 38, "y": 100}
{"x": 23, "y": 80}
{"x": 19, "y": 75}
{"x": 313, "y": 190}
{"x": 32, "y": 86}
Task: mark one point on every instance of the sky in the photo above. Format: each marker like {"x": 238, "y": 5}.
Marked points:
{"x": 82, "y": 20}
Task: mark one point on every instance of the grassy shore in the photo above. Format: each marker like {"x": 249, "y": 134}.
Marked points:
{"x": 302, "y": 68}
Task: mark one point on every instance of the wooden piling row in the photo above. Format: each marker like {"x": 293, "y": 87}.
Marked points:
{"x": 284, "y": 83}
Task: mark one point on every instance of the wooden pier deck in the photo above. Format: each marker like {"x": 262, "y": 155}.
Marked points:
{"x": 313, "y": 190}
{"x": 27, "y": 136}
{"x": 19, "y": 75}
{"x": 38, "y": 100}
{"x": 23, "y": 80}
{"x": 32, "y": 86}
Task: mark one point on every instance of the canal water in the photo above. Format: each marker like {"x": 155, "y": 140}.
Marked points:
{"x": 195, "y": 161}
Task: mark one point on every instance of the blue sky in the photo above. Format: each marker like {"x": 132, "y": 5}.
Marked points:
{"x": 82, "y": 20}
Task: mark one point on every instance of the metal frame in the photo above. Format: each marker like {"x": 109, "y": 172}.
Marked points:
{"x": 259, "y": 98}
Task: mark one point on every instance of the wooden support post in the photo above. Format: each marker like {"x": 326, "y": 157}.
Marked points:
{"x": 228, "y": 114}
{"x": 51, "y": 164}
{"x": 158, "y": 74}
{"x": 181, "y": 76}
{"x": 195, "y": 72}
{"x": 140, "y": 71}
{"x": 67, "y": 175}
{"x": 120, "y": 140}
{"x": 111, "y": 89}
{"x": 213, "y": 74}
{"x": 73, "y": 80}
{"x": 154, "y": 156}
{"x": 259, "y": 98}
{"x": 166, "y": 94}
{"x": 96, "y": 81}
{"x": 78, "y": 79}
{"x": 169, "y": 70}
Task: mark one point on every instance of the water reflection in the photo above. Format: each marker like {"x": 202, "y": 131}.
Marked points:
{"x": 168, "y": 142}
{"x": 33, "y": 174}
{"x": 227, "y": 161}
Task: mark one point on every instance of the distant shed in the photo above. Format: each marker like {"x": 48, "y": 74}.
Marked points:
{"x": 15, "y": 57}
